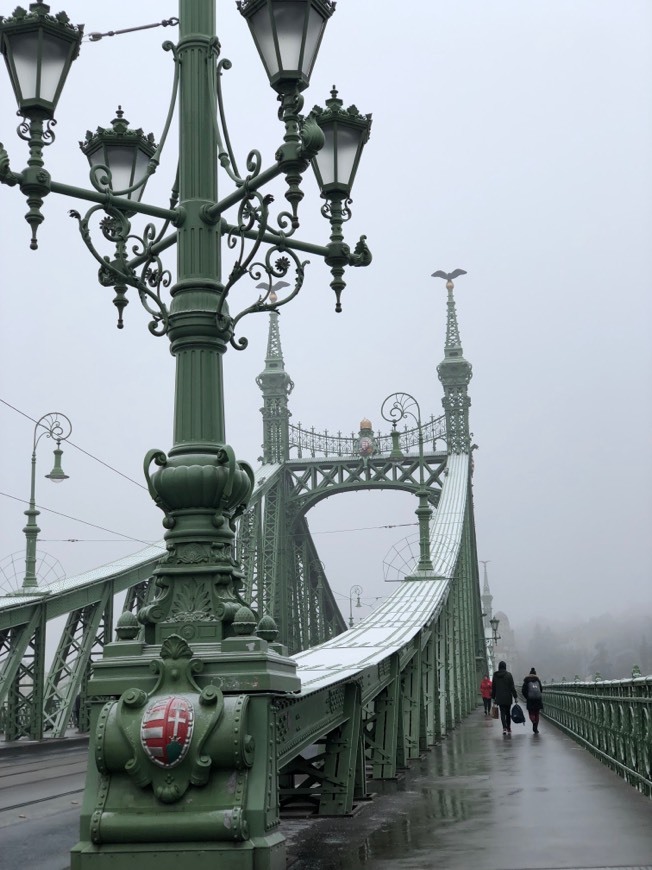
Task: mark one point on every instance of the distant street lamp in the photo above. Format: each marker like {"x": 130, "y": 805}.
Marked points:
{"x": 354, "y": 592}
{"x": 494, "y": 622}
{"x": 399, "y": 406}
{"x": 54, "y": 425}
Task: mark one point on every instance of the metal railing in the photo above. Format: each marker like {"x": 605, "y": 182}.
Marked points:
{"x": 610, "y": 718}
{"x": 311, "y": 443}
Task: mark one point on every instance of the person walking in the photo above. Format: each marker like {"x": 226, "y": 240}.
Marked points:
{"x": 502, "y": 691}
{"x": 485, "y": 691}
{"x": 532, "y": 693}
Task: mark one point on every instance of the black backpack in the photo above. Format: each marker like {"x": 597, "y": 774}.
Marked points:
{"x": 518, "y": 717}
{"x": 534, "y": 691}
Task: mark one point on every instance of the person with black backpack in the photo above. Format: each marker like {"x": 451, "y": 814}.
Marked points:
{"x": 532, "y": 692}
{"x": 502, "y": 691}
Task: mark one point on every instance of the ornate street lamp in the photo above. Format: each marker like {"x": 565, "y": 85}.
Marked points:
{"x": 57, "y": 426}
{"x": 399, "y": 406}
{"x": 346, "y": 131}
{"x": 38, "y": 49}
{"x": 493, "y": 622}
{"x": 354, "y": 592}
{"x": 197, "y": 633}
{"x": 125, "y": 153}
{"x": 287, "y": 34}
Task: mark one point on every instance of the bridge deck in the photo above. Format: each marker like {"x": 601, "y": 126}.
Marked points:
{"x": 475, "y": 802}
{"x": 479, "y": 801}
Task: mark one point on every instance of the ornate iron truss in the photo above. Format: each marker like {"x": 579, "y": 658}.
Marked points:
{"x": 35, "y": 702}
{"x": 311, "y": 443}
{"x": 313, "y": 480}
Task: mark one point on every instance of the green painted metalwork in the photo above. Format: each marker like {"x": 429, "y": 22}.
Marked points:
{"x": 201, "y": 723}
{"x": 21, "y": 678}
{"x": 455, "y": 374}
{"x": 200, "y": 486}
{"x": 86, "y": 601}
{"x": 397, "y": 407}
{"x": 87, "y": 631}
{"x": 276, "y": 386}
{"x": 610, "y": 718}
{"x": 58, "y": 427}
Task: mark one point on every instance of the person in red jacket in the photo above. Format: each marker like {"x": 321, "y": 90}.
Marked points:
{"x": 485, "y": 691}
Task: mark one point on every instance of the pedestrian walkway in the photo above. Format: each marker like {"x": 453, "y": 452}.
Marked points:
{"x": 477, "y": 801}
{"x": 480, "y": 801}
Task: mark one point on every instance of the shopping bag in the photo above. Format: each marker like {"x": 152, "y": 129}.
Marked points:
{"x": 494, "y": 712}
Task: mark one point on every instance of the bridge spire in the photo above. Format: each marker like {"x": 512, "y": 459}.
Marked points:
{"x": 487, "y": 598}
{"x": 454, "y": 373}
{"x": 276, "y": 385}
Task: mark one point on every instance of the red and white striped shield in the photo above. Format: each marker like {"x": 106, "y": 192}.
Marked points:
{"x": 166, "y": 730}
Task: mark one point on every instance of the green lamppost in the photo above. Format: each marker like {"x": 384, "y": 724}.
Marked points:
{"x": 183, "y": 756}
{"x": 493, "y": 640}
{"x": 400, "y": 406}
{"x": 57, "y": 426}
{"x": 354, "y": 592}
{"x": 495, "y": 637}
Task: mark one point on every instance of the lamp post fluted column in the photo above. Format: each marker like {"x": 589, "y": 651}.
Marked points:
{"x": 198, "y": 484}
{"x": 399, "y": 406}
{"x": 57, "y": 426}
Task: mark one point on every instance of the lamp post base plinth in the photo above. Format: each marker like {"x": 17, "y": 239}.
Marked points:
{"x": 183, "y": 762}
{"x": 261, "y": 853}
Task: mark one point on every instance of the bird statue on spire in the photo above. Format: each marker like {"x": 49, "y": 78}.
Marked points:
{"x": 449, "y": 277}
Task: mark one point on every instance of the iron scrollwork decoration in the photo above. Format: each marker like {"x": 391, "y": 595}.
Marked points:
{"x": 399, "y": 406}
{"x": 136, "y": 258}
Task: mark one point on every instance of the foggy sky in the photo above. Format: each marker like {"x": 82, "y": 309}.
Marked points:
{"x": 509, "y": 139}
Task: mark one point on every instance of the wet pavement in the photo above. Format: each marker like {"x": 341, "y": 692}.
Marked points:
{"x": 477, "y": 801}
{"x": 480, "y": 801}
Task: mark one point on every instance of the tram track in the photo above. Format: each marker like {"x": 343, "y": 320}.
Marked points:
{"x": 40, "y": 800}
{"x": 37, "y": 784}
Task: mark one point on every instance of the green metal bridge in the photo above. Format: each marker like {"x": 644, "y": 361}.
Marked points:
{"x": 361, "y": 703}
{"x": 366, "y": 699}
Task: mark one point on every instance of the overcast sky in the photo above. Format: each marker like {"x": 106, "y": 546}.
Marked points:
{"x": 510, "y": 139}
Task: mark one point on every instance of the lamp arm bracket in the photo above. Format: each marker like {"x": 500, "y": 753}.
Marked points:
{"x": 312, "y": 139}
{"x": 157, "y": 247}
{"x": 400, "y": 406}
{"x": 156, "y": 156}
{"x": 52, "y": 425}
{"x": 114, "y": 269}
{"x": 213, "y": 213}
{"x": 225, "y": 153}
{"x": 283, "y": 240}
{"x": 6, "y": 175}
{"x": 268, "y": 300}
{"x": 253, "y": 212}
{"x": 154, "y": 276}
{"x": 106, "y": 199}
{"x": 361, "y": 255}
{"x": 118, "y": 272}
